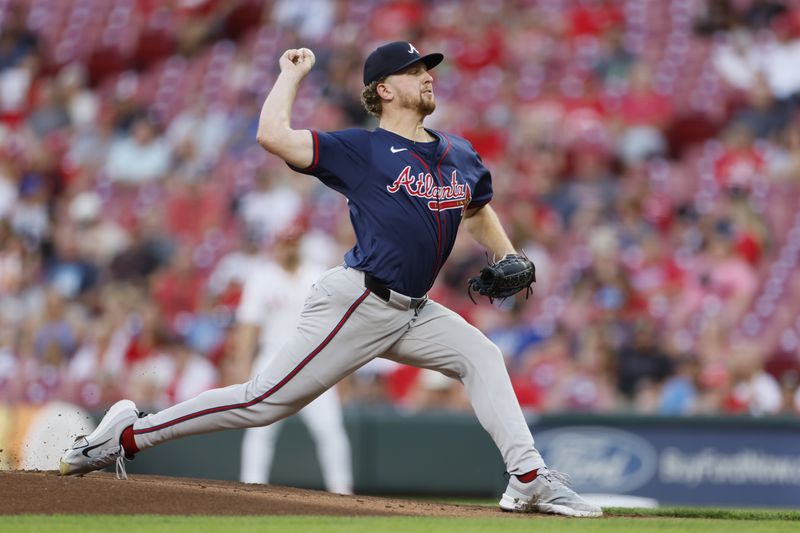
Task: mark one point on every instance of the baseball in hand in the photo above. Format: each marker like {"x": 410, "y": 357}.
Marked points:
{"x": 299, "y": 61}
{"x": 307, "y": 55}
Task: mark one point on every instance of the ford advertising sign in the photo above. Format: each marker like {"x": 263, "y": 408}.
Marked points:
{"x": 599, "y": 459}
{"x": 708, "y": 464}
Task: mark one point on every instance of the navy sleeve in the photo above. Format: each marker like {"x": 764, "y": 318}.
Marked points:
{"x": 483, "y": 187}
{"x": 341, "y": 158}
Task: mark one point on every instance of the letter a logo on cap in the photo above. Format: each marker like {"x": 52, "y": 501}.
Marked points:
{"x": 412, "y": 50}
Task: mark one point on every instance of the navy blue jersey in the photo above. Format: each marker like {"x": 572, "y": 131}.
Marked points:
{"x": 406, "y": 199}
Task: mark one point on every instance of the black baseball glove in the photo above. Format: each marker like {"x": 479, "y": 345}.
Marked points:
{"x": 504, "y": 278}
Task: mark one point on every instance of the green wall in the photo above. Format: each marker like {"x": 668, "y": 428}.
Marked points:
{"x": 393, "y": 453}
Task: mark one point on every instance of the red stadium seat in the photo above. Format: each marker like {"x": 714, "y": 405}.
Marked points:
{"x": 152, "y": 46}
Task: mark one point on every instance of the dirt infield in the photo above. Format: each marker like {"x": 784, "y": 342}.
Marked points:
{"x": 102, "y": 493}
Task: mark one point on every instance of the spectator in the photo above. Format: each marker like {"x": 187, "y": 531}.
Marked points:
{"x": 586, "y": 383}
{"x": 141, "y": 157}
{"x": 644, "y": 115}
{"x": 55, "y": 337}
{"x": 89, "y": 146}
{"x": 178, "y": 288}
{"x": 369, "y": 385}
{"x": 172, "y": 373}
{"x": 49, "y": 112}
{"x": 197, "y": 136}
{"x": 8, "y": 187}
{"x": 193, "y": 208}
{"x": 592, "y": 18}
{"x": 148, "y": 251}
{"x": 642, "y": 364}
{"x": 736, "y": 58}
{"x": 227, "y": 278}
{"x": 30, "y": 217}
{"x": 311, "y": 20}
{"x": 656, "y": 279}
{"x": 82, "y": 104}
{"x": 98, "y": 239}
{"x": 16, "y": 41}
{"x": 778, "y": 57}
{"x": 614, "y": 64}
{"x": 270, "y": 206}
{"x": 12, "y": 253}
{"x": 680, "y": 394}
{"x": 67, "y": 271}
{"x": 762, "y": 116}
{"x": 541, "y": 367}
{"x": 740, "y": 164}
{"x": 94, "y": 374}
{"x": 752, "y": 389}
{"x": 784, "y": 165}
{"x": 762, "y": 13}
{"x": 433, "y": 391}
{"x": 719, "y": 282}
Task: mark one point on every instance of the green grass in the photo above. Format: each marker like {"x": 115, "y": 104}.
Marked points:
{"x": 709, "y": 513}
{"x": 689, "y": 520}
{"x": 666, "y": 512}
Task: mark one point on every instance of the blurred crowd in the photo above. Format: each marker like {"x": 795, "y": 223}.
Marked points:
{"x": 645, "y": 155}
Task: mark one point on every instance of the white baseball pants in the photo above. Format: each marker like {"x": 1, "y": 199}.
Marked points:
{"x": 343, "y": 326}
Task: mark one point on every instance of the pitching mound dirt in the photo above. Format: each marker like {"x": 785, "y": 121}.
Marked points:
{"x": 102, "y": 493}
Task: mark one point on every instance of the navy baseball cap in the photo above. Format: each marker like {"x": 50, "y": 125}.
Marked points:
{"x": 394, "y": 57}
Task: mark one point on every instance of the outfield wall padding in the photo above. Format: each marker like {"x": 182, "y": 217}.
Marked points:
{"x": 696, "y": 461}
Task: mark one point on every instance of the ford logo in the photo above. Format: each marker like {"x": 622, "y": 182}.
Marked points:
{"x": 599, "y": 459}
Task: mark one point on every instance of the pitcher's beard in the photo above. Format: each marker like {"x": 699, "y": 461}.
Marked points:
{"x": 427, "y": 106}
{"x": 424, "y": 106}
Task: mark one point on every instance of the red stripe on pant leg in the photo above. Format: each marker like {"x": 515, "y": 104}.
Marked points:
{"x": 271, "y": 391}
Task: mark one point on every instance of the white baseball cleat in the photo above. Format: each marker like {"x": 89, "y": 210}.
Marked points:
{"x": 548, "y": 493}
{"x": 101, "y": 448}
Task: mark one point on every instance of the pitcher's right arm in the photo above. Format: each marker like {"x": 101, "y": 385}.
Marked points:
{"x": 275, "y": 133}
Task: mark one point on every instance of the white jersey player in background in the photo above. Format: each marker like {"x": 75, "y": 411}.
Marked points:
{"x": 269, "y": 311}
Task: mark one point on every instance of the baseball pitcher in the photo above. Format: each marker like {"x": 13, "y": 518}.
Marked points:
{"x": 409, "y": 190}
